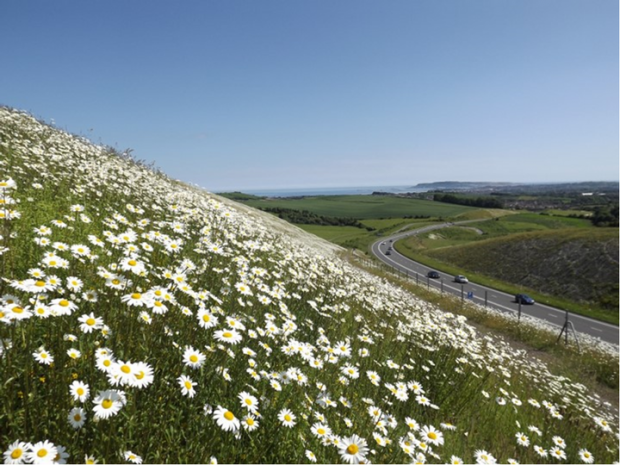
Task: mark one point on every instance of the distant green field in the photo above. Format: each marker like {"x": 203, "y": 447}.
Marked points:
{"x": 336, "y": 234}
{"x": 525, "y": 222}
{"x": 365, "y": 206}
{"x": 499, "y": 227}
{"x": 352, "y": 237}
{"x": 568, "y": 212}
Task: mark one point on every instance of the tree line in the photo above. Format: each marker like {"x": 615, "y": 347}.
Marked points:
{"x": 481, "y": 202}
{"x": 605, "y": 216}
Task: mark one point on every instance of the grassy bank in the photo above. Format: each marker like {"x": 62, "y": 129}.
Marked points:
{"x": 589, "y": 366}
{"x": 535, "y": 261}
{"x": 146, "y": 320}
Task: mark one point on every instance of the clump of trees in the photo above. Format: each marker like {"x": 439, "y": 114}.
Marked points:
{"x": 307, "y": 217}
{"x": 605, "y": 216}
{"x": 481, "y": 202}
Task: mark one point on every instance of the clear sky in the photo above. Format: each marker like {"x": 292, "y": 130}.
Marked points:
{"x": 253, "y": 94}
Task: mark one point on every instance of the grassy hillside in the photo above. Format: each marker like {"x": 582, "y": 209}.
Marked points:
{"x": 580, "y": 265}
{"x": 146, "y": 320}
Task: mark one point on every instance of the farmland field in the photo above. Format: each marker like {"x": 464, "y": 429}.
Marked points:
{"x": 364, "y": 206}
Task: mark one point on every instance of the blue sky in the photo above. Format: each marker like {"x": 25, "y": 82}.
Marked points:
{"x": 277, "y": 94}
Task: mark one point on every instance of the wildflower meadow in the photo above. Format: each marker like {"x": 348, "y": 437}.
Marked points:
{"x": 146, "y": 320}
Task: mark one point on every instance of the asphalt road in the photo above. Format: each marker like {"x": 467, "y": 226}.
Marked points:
{"x": 485, "y": 295}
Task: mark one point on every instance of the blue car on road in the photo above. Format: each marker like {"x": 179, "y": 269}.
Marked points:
{"x": 524, "y": 299}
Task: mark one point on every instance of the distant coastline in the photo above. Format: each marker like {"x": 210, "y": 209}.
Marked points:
{"x": 441, "y": 186}
{"x": 315, "y": 191}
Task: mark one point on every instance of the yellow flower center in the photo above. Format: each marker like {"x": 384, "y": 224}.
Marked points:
{"x": 43, "y": 355}
{"x": 188, "y": 385}
{"x": 42, "y": 453}
{"x": 40, "y": 310}
{"x": 106, "y": 363}
{"x": 140, "y": 375}
{"x": 193, "y": 359}
{"x": 107, "y": 403}
{"x": 80, "y": 391}
{"x": 17, "y": 453}
{"x": 229, "y": 415}
{"x": 116, "y": 281}
{"x": 136, "y": 296}
{"x": 77, "y": 417}
{"x": 249, "y": 421}
{"x": 53, "y": 263}
{"x": 132, "y": 263}
{"x": 352, "y": 449}
{"x": 287, "y": 417}
{"x": 125, "y": 369}
{"x": 227, "y": 335}
{"x": 321, "y": 431}
{"x": 40, "y": 283}
{"x": 206, "y": 318}
{"x": 90, "y": 321}
{"x": 432, "y": 435}
{"x": 63, "y": 303}
{"x": 17, "y": 310}
{"x": 248, "y": 401}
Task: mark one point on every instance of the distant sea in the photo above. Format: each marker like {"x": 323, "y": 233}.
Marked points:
{"x": 310, "y": 191}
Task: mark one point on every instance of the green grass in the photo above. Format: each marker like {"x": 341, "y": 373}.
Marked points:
{"x": 567, "y": 212}
{"x": 483, "y": 213}
{"x": 503, "y": 226}
{"x": 336, "y": 234}
{"x": 365, "y": 206}
{"x": 361, "y": 239}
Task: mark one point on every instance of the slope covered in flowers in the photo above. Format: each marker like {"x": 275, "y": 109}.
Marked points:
{"x": 145, "y": 320}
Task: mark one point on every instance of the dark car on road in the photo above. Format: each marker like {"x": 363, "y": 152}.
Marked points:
{"x": 433, "y": 275}
{"x": 524, "y": 299}
{"x": 388, "y": 253}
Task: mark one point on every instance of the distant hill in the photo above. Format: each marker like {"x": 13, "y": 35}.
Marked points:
{"x": 461, "y": 185}
{"x": 581, "y": 265}
{"x": 531, "y": 188}
{"x": 239, "y": 196}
